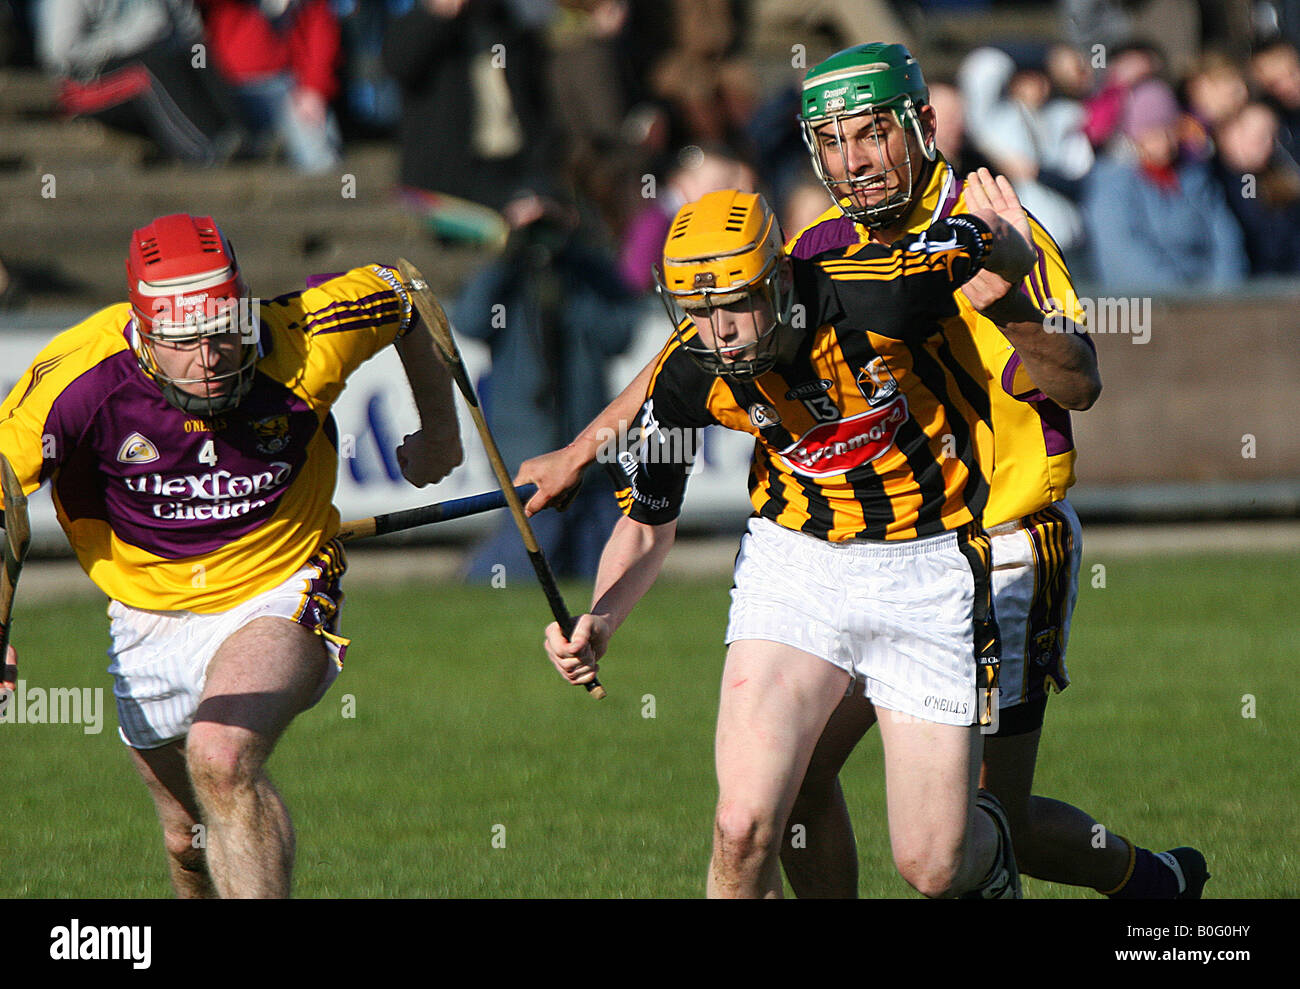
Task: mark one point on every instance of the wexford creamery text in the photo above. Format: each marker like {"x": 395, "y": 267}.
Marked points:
{"x": 219, "y": 494}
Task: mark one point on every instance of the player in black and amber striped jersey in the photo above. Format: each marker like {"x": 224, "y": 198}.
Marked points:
{"x": 869, "y": 429}
{"x": 864, "y": 561}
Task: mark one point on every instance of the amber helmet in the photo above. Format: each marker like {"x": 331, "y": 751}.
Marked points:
{"x": 724, "y": 251}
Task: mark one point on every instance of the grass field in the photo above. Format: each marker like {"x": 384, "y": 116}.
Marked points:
{"x": 464, "y": 740}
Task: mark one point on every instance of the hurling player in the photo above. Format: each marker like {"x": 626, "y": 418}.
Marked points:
{"x": 192, "y": 454}
{"x": 870, "y": 129}
{"x": 864, "y": 564}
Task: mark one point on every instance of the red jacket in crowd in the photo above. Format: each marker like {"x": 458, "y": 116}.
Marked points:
{"x": 248, "y": 45}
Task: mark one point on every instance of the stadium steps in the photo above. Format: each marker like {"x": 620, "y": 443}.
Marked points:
{"x": 67, "y": 249}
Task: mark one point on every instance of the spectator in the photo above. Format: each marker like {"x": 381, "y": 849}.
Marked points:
{"x": 553, "y": 312}
{"x": 280, "y": 56}
{"x": 950, "y": 131}
{"x": 1263, "y": 187}
{"x": 1125, "y": 68}
{"x": 1115, "y": 24}
{"x": 372, "y": 101}
{"x": 135, "y": 67}
{"x": 1275, "y": 68}
{"x": 1216, "y": 90}
{"x": 587, "y": 91}
{"x": 804, "y": 203}
{"x": 475, "y": 121}
{"x": 776, "y": 140}
{"x": 709, "y": 86}
{"x": 1037, "y": 141}
{"x": 696, "y": 172}
{"x": 1159, "y": 221}
{"x": 1070, "y": 72}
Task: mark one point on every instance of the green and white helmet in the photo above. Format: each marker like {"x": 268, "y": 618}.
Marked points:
{"x": 859, "y": 80}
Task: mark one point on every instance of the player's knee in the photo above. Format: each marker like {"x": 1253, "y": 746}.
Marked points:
{"x": 932, "y": 872}
{"x": 220, "y": 764}
{"x": 742, "y": 834}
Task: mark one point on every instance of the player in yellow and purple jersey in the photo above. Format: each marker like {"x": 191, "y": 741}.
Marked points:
{"x": 189, "y": 442}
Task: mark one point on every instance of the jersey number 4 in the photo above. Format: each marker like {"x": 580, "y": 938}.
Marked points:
{"x": 208, "y": 455}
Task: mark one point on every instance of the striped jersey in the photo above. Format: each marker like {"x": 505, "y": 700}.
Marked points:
{"x": 170, "y": 511}
{"x": 1033, "y": 447}
{"x": 869, "y": 431}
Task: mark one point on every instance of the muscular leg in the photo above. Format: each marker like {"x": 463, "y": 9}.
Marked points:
{"x": 827, "y": 864}
{"x": 941, "y": 845}
{"x": 775, "y": 702}
{"x": 1053, "y": 840}
{"x": 261, "y": 677}
{"x": 163, "y": 771}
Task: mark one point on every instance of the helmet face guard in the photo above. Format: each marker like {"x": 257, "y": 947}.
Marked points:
{"x": 723, "y": 264}
{"x": 763, "y": 305}
{"x": 859, "y": 82}
{"x": 187, "y": 300}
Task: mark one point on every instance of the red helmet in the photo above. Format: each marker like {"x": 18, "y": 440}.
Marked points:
{"x": 184, "y": 284}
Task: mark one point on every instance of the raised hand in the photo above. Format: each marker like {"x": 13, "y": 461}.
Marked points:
{"x": 992, "y": 197}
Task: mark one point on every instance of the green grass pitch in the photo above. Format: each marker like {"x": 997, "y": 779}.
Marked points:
{"x": 467, "y": 769}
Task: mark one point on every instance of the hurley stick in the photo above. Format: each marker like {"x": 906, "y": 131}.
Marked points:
{"x": 442, "y": 511}
{"x": 436, "y": 320}
{"x": 18, "y": 536}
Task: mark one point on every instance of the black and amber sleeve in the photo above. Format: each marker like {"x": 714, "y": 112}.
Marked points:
{"x": 912, "y": 280}
{"x": 650, "y": 468}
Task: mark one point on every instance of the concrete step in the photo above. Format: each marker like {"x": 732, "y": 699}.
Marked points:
{"x": 25, "y": 91}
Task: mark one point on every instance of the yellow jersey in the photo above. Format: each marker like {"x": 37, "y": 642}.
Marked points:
{"x": 169, "y": 511}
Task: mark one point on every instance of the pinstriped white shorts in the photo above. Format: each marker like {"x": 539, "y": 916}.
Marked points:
{"x": 160, "y": 658}
{"x": 1035, "y": 586}
{"x": 897, "y": 616}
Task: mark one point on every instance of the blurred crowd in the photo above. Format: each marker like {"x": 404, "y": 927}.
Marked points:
{"x": 1157, "y": 163}
{"x": 1151, "y": 180}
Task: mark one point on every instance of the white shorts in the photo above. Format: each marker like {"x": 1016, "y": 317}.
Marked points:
{"x": 1035, "y": 586}
{"x": 160, "y": 658}
{"x": 901, "y": 617}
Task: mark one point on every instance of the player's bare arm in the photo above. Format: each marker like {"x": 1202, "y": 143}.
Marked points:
{"x": 558, "y": 473}
{"x": 429, "y": 455}
{"x": 1062, "y": 365}
{"x": 629, "y": 566}
{"x": 9, "y": 674}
